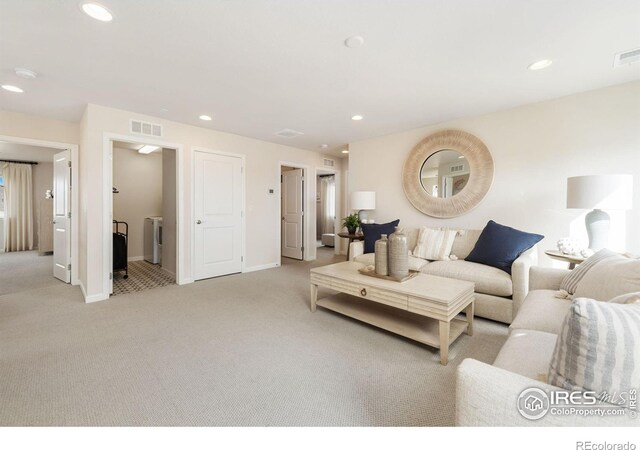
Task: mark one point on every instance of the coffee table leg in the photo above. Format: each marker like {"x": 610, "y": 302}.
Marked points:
{"x": 314, "y": 296}
{"x": 469, "y": 312}
{"x": 444, "y": 343}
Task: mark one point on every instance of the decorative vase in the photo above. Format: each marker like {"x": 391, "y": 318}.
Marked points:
{"x": 381, "y": 256}
{"x": 398, "y": 251}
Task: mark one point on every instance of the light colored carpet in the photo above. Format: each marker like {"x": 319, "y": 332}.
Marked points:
{"x": 237, "y": 350}
{"x": 20, "y": 271}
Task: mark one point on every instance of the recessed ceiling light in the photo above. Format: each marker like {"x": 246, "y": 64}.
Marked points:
{"x": 8, "y": 87}
{"x": 357, "y": 117}
{"x": 539, "y": 65}
{"x": 26, "y": 73}
{"x": 324, "y": 146}
{"x": 354, "y": 41}
{"x": 97, "y": 11}
{"x": 345, "y": 151}
{"x": 461, "y": 157}
{"x": 146, "y": 149}
{"x": 205, "y": 117}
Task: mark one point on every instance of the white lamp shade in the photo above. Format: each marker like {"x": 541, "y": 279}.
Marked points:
{"x": 363, "y": 200}
{"x": 600, "y": 192}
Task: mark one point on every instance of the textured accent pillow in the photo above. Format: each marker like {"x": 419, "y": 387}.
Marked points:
{"x": 434, "y": 245}
{"x": 499, "y": 246}
{"x": 609, "y": 278}
{"x": 570, "y": 282}
{"x": 598, "y": 348}
{"x": 374, "y": 231}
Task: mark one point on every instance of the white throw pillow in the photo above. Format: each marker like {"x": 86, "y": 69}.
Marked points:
{"x": 627, "y": 299}
{"x": 435, "y": 244}
{"x": 609, "y": 278}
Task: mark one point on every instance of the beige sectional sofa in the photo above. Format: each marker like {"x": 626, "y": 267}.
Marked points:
{"x": 498, "y": 294}
{"x": 486, "y": 395}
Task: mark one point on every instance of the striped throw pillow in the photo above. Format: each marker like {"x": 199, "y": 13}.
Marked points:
{"x": 434, "y": 244}
{"x": 570, "y": 282}
{"x": 598, "y": 348}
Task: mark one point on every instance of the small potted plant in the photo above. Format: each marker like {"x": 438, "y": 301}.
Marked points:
{"x": 351, "y": 222}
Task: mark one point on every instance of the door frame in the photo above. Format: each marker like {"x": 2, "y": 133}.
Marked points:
{"x": 336, "y": 174}
{"x": 107, "y": 203}
{"x": 75, "y": 196}
{"x": 243, "y": 204}
{"x": 309, "y": 252}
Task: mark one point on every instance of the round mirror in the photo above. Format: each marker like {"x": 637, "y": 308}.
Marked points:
{"x": 444, "y": 174}
{"x": 447, "y": 174}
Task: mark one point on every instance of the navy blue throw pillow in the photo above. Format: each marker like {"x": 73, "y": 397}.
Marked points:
{"x": 374, "y": 231}
{"x": 499, "y": 246}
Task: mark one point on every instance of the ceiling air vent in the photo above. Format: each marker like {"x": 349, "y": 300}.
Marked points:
{"x": 625, "y": 58}
{"x": 328, "y": 162}
{"x": 146, "y": 128}
{"x": 288, "y": 133}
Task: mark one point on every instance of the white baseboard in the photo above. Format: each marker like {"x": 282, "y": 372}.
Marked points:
{"x": 91, "y": 298}
{"x": 262, "y": 267}
{"x": 185, "y": 281}
{"x": 135, "y": 258}
{"x": 167, "y": 271}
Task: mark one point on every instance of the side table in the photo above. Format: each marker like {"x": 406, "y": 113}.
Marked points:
{"x": 351, "y": 237}
{"x": 573, "y": 260}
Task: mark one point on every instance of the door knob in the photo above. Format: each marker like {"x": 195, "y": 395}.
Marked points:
{"x": 198, "y": 221}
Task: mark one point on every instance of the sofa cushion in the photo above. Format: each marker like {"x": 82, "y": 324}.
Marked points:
{"x": 374, "y": 231}
{"x": 434, "y": 244}
{"x": 627, "y": 299}
{"x": 541, "y": 311}
{"x": 368, "y": 259}
{"x": 527, "y": 353}
{"x": 609, "y": 278}
{"x": 597, "y": 348}
{"x": 488, "y": 280}
{"x": 499, "y": 246}
{"x": 570, "y": 282}
{"x": 464, "y": 242}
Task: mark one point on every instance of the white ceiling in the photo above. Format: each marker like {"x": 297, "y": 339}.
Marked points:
{"x": 22, "y": 152}
{"x": 258, "y": 66}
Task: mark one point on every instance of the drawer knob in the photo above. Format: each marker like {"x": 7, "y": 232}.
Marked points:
{"x": 363, "y": 292}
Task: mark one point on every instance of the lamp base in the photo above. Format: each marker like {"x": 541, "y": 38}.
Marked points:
{"x": 597, "y": 223}
{"x": 362, "y": 215}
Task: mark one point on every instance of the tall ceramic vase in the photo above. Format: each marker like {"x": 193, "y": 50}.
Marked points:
{"x": 398, "y": 254}
{"x": 381, "y": 256}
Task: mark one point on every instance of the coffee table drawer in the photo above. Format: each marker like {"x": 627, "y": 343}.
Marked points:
{"x": 371, "y": 293}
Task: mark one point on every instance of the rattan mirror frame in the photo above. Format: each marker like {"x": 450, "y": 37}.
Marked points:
{"x": 480, "y": 178}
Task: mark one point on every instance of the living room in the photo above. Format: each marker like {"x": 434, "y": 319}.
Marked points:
{"x": 541, "y": 93}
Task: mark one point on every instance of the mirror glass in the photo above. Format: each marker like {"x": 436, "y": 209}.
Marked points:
{"x": 444, "y": 174}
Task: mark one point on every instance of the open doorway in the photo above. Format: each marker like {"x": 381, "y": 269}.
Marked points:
{"x": 144, "y": 217}
{"x": 326, "y": 204}
{"x": 292, "y": 212}
{"x": 36, "y": 231}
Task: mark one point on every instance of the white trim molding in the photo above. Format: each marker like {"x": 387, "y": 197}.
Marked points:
{"x": 261, "y": 267}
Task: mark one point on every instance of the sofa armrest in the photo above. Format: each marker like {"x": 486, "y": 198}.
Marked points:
{"x": 356, "y": 248}
{"x": 520, "y": 276}
{"x": 546, "y": 278}
{"x": 487, "y": 396}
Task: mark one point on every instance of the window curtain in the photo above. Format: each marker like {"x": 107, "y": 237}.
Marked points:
{"x": 18, "y": 207}
{"x": 329, "y": 204}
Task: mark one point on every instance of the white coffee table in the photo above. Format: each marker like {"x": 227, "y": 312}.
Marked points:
{"x": 423, "y": 308}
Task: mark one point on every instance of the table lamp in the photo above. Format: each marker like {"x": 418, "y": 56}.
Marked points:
{"x": 599, "y": 192}
{"x": 363, "y": 201}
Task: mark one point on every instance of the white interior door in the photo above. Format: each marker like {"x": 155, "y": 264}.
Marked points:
{"x": 62, "y": 216}
{"x": 218, "y": 214}
{"x": 292, "y": 214}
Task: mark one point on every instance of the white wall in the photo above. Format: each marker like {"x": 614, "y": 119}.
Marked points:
{"x": 138, "y": 177}
{"x": 262, "y": 173}
{"x": 535, "y": 148}
{"x": 42, "y": 179}
{"x": 169, "y": 213}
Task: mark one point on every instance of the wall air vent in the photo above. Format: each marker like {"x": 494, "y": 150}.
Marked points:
{"x": 626, "y": 58}
{"x": 328, "y": 162}
{"x": 146, "y": 128}
{"x": 288, "y": 133}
